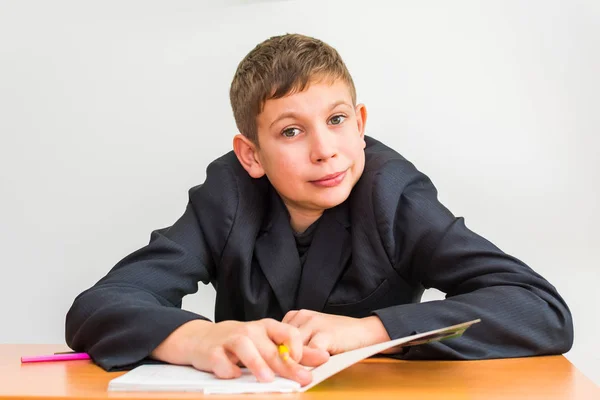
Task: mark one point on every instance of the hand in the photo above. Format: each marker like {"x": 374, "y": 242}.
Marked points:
{"x": 220, "y": 347}
{"x": 335, "y": 333}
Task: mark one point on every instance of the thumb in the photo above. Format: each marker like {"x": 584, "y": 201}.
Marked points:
{"x": 322, "y": 341}
{"x": 312, "y": 357}
{"x": 316, "y": 352}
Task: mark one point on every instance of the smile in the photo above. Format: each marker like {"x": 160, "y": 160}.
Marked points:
{"x": 330, "y": 180}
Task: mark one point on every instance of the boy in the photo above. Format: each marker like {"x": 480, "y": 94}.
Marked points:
{"x": 316, "y": 236}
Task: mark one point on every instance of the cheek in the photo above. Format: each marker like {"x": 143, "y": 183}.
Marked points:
{"x": 284, "y": 168}
{"x": 353, "y": 147}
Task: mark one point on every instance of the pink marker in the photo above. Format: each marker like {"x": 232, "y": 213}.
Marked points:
{"x": 56, "y": 357}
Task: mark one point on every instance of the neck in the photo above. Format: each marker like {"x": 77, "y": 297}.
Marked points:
{"x": 300, "y": 220}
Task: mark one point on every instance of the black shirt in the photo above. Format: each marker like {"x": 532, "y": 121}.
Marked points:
{"x": 303, "y": 241}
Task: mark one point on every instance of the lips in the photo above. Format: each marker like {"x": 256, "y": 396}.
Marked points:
{"x": 330, "y": 180}
{"x": 329, "y": 177}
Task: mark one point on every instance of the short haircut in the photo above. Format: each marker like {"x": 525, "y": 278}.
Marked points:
{"x": 277, "y": 67}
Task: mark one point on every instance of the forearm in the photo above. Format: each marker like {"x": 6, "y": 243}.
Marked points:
{"x": 120, "y": 326}
{"x": 374, "y": 330}
{"x": 181, "y": 344}
{"x": 521, "y": 313}
{"x": 515, "y": 322}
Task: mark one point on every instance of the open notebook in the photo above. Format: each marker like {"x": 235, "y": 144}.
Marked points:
{"x": 174, "y": 378}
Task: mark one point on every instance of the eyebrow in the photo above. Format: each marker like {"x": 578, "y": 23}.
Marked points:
{"x": 291, "y": 114}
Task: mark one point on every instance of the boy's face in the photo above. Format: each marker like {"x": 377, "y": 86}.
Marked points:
{"x": 312, "y": 146}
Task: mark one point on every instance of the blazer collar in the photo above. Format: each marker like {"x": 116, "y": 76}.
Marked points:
{"x": 327, "y": 258}
{"x": 276, "y": 252}
{"x": 309, "y": 287}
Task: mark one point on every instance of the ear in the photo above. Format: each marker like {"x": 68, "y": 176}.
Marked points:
{"x": 247, "y": 154}
{"x": 361, "y": 121}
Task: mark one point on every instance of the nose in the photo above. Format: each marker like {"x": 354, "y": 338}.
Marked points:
{"x": 323, "y": 146}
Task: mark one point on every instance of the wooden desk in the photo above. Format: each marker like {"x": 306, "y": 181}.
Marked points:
{"x": 529, "y": 378}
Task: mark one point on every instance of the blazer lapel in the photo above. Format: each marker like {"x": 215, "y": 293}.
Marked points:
{"x": 277, "y": 255}
{"x": 327, "y": 258}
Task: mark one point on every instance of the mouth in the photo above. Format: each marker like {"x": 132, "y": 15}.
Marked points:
{"x": 331, "y": 179}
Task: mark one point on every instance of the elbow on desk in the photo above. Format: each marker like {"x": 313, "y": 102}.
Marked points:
{"x": 564, "y": 332}
{"x": 87, "y": 322}
{"x": 556, "y": 334}
{"x": 73, "y": 323}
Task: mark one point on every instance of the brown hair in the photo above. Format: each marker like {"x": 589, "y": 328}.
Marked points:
{"x": 277, "y": 67}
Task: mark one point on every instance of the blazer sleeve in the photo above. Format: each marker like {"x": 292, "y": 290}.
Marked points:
{"x": 521, "y": 313}
{"x": 129, "y": 312}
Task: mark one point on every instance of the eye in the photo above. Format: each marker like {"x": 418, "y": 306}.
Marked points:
{"x": 291, "y": 132}
{"x": 337, "y": 119}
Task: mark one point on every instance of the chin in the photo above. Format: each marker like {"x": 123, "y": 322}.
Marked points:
{"x": 333, "y": 199}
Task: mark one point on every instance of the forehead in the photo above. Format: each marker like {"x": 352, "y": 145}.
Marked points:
{"x": 316, "y": 97}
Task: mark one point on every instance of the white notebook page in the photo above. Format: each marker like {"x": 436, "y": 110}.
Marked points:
{"x": 166, "y": 377}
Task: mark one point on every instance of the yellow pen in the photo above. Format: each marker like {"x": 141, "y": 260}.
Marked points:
{"x": 284, "y": 352}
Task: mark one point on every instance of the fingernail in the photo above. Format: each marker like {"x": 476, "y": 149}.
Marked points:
{"x": 303, "y": 375}
{"x": 266, "y": 375}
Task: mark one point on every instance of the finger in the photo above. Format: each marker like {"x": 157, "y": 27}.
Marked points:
{"x": 289, "y": 316}
{"x": 289, "y": 369}
{"x": 281, "y": 333}
{"x": 306, "y": 332}
{"x": 233, "y": 358}
{"x": 299, "y": 317}
{"x": 305, "y": 321}
{"x": 317, "y": 350}
{"x": 323, "y": 341}
{"x": 245, "y": 350}
{"x": 222, "y": 364}
{"x": 313, "y": 357}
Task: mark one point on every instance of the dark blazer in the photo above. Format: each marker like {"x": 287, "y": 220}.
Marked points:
{"x": 373, "y": 254}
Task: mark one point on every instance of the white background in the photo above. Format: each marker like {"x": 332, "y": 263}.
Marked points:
{"x": 110, "y": 111}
